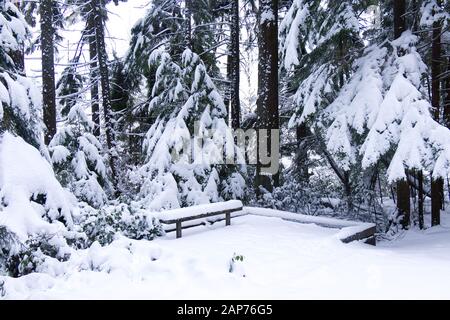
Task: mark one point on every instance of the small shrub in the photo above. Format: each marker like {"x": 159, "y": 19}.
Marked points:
{"x": 236, "y": 265}
{"x": 9, "y": 245}
{"x": 102, "y": 225}
{"x": 32, "y": 255}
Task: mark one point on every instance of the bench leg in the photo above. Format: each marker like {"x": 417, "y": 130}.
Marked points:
{"x": 178, "y": 229}
{"x": 227, "y": 218}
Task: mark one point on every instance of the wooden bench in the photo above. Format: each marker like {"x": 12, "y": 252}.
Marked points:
{"x": 210, "y": 213}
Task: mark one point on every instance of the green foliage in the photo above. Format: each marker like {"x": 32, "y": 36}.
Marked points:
{"x": 9, "y": 245}
{"x": 103, "y": 225}
{"x": 33, "y": 254}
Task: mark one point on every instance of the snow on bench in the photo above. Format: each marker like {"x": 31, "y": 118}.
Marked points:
{"x": 349, "y": 230}
{"x": 200, "y": 212}
{"x": 189, "y": 217}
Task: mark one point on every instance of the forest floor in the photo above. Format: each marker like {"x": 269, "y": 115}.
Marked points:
{"x": 282, "y": 260}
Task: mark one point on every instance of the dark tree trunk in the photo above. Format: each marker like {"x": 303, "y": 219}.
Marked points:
{"x": 48, "y": 69}
{"x": 420, "y": 198}
{"x": 188, "y": 39}
{"x": 447, "y": 96}
{"x": 95, "y": 108}
{"x": 267, "y": 104}
{"x": 302, "y": 153}
{"x": 403, "y": 202}
{"x": 437, "y": 185}
{"x": 399, "y": 17}
{"x": 102, "y": 57}
{"x": 235, "y": 67}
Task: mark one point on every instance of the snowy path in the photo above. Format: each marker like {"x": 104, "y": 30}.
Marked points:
{"x": 282, "y": 260}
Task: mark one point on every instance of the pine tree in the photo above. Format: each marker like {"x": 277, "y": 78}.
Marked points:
{"x": 20, "y": 101}
{"x": 175, "y": 175}
{"x": 77, "y": 156}
{"x": 29, "y": 191}
{"x": 317, "y": 50}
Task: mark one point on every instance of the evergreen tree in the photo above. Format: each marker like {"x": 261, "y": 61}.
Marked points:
{"x": 20, "y": 101}
{"x": 77, "y": 156}
{"x": 176, "y": 174}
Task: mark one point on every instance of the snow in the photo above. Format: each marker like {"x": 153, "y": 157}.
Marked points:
{"x": 200, "y": 209}
{"x": 25, "y": 174}
{"x": 282, "y": 260}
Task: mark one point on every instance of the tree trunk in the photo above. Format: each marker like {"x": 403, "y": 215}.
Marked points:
{"x": 48, "y": 69}
{"x": 403, "y": 202}
{"x": 95, "y": 108}
{"x": 188, "y": 39}
{"x": 420, "y": 198}
{"x": 235, "y": 66}
{"x": 302, "y": 153}
{"x": 102, "y": 57}
{"x": 267, "y": 104}
{"x": 447, "y": 96}
{"x": 399, "y": 17}
{"x": 437, "y": 185}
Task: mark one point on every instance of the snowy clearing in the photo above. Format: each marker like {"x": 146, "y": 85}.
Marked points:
{"x": 282, "y": 260}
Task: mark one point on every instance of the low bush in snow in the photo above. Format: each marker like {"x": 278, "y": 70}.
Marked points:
{"x": 33, "y": 254}
{"x": 102, "y": 225}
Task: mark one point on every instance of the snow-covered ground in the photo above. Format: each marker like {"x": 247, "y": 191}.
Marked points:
{"x": 282, "y": 260}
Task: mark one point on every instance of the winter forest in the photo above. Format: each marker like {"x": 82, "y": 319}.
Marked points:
{"x": 119, "y": 117}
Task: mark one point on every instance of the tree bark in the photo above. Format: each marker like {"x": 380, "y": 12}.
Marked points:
{"x": 437, "y": 185}
{"x": 235, "y": 67}
{"x": 446, "y": 105}
{"x": 302, "y": 153}
{"x": 48, "y": 69}
{"x": 93, "y": 73}
{"x": 102, "y": 57}
{"x": 399, "y": 17}
{"x": 420, "y": 198}
{"x": 403, "y": 202}
{"x": 267, "y": 104}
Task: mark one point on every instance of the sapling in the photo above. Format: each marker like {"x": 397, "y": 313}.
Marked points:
{"x": 237, "y": 265}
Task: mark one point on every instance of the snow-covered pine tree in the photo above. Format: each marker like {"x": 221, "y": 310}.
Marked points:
{"x": 383, "y": 113}
{"x": 433, "y": 20}
{"x": 77, "y": 156}
{"x": 20, "y": 100}
{"x": 317, "y": 50}
{"x": 176, "y": 174}
{"x": 32, "y": 201}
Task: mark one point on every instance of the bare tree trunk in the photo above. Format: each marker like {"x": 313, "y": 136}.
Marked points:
{"x": 447, "y": 96}
{"x": 235, "y": 66}
{"x": 95, "y": 108}
{"x": 399, "y": 17}
{"x": 437, "y": 185}
{"x": 267, "y": 104}
{"x": 420, "y": 198}
{"x": 188, "y": 6}
{"x": 48, "y": 69}
{"x": 403, "y": 201}
{"x": 102, "y": 56}
{"x": 302, "y": 153}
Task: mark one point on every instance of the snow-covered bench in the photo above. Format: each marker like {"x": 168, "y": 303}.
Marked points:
{"x": 349, "y": 230}
{"x": 201, "y": 212}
